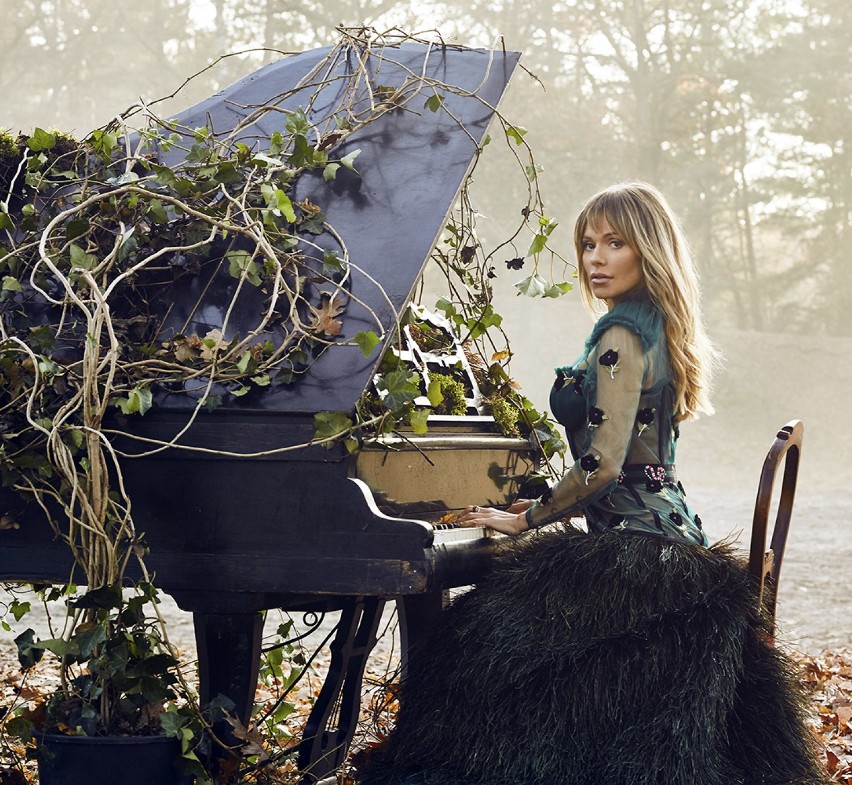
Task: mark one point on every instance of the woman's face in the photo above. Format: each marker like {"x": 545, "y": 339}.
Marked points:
{"x": 612, "y": 267}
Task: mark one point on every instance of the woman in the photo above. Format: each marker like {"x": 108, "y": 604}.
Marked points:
{"x": 631, "y": 654}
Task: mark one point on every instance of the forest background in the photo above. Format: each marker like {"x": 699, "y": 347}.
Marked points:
{"x": 737, "y": 109}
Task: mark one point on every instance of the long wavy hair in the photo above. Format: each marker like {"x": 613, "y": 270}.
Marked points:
{"x": 643, "y": 219}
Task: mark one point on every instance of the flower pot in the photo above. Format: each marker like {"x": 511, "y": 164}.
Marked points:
{"x": 92, "y": 760}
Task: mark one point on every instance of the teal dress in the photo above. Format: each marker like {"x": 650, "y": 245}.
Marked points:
{"x": 616, "y": 403}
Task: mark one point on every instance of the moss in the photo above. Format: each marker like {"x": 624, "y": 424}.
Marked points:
{"x": 453, "y": 391}
{"x": 8, "y": 145}
{"x": 505, "y": 415}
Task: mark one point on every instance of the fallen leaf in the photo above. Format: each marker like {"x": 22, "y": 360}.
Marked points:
{"x": 323, "y": 318}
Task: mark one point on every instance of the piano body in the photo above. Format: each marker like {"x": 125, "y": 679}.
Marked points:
{"x": 244, "y": 525}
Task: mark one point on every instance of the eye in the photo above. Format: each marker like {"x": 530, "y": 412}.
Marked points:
{"x": 616, "y": 243}
{"x": 588, "y": 245}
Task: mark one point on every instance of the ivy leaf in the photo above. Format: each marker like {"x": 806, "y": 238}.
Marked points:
{"x": 240, "y": 262}
{"x": 89, "y": 636}
{"x": 297, "y": 122}
{"x": 400, "y": 387}
{"x": 157, "y": 212}
{"x": 139, "y": 401}
{"x": 81, "y": 259}
{"x": 244, "y": 361}
{"x": 558, "y": 289}
{"x": 332, "y": 267}
{"x": 11, "y": 284}
{"x": 330, "y": 172}
{"x": 349, "y": 160}
{"x": 434, "y": 102}
{"x": 517, "y": 133}
{"x": 6, "y": 221}
{"x": 434, "y": 394}
{"x": 537, "y": 245}
{"x": 276, "y": 143}
{"x": 303, "y": 153}
{"x": 19, "y": 609}
{"x": 104, "y": 142}
{"x": 532, "y": 286}
{"x": 58, "y": 646}
{"x": 327, "y": 425}
{"x": 446, "y": 307}
{"x": 41, "y": 140}
{"x": 418, "y": 420}
{"x": 28, "y": 653}
{"x": 367, "y": 341}
{"x": 285, "y": 206}
{"x": 533, "y": 171}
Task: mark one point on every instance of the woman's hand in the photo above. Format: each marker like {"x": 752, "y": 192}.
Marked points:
{"x": 503, "y": 521}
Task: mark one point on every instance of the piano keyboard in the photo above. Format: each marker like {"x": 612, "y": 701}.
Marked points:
{"x": 449, "y": 532}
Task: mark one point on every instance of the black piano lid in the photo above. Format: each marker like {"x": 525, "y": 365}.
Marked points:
{"x": 411, "y": 167}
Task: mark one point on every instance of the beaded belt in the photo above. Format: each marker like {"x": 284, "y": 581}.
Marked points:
{"x": 638, "y": 473}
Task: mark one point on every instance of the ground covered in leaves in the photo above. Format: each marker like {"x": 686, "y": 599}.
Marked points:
{"x": 828, "y": 674}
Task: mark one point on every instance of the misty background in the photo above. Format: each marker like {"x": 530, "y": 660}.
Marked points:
{"x": 737, "y": 110}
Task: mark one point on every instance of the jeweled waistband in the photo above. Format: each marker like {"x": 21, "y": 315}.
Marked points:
{"x": 636, "y": 473}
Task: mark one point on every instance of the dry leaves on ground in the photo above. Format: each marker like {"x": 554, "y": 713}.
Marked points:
{"x": 829, "y": 676}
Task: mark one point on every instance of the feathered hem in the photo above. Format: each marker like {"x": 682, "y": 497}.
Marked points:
{"x": 588, "y": 659}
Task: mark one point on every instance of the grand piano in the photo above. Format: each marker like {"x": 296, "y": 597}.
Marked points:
{"x": 235, "y": 529}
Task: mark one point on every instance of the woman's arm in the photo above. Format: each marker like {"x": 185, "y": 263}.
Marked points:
{"x": 620, "y": 367}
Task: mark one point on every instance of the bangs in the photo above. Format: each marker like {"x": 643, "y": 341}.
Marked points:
{"x": 612, "y": 208}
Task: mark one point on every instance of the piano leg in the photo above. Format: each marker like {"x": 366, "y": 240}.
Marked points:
{"x": 229, "y": 657}
{"x": 323, "y": 749}
{"x": 416, "y": 614}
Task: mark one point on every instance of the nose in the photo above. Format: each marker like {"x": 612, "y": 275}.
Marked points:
{"x": 595, "y": 255}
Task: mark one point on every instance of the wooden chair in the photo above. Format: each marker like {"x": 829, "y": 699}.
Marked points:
{"x": 763, "y": 563}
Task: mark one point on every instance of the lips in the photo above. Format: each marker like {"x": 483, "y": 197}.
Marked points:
{"x": 600, "y": 279}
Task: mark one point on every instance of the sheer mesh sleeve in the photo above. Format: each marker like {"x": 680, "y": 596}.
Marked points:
{"x": 619, "y": 365}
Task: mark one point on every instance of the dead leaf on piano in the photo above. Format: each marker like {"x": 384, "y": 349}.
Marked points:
{"x": 323, "y": 318}
{"x": 308, "y": 207}
{"x": 449, "y": 517}
{"x": 212, "y": 342}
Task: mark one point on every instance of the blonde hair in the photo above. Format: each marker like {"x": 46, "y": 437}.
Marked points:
{"x": 642, "y": 218}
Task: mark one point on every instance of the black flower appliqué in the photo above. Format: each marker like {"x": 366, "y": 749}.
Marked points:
{"x": 609, "y": 359}
{"x": 617, "y": 522}
{"x": 676, "y": 518}
{"x": 590, "y": 464}
{"x": 596, "y": 417}
{"x": 644, "y": 418}
{"x": 566, "y": 377}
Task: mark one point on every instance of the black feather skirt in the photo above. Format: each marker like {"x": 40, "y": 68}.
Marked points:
{"x": 608, "y": 659}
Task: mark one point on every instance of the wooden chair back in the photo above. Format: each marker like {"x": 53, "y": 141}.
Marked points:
{"x": 765, "y": 563}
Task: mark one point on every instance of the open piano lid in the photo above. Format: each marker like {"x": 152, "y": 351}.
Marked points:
{"x": 412, "y": 164}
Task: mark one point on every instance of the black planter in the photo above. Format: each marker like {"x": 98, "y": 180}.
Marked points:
{"x": 110, "y": 760}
